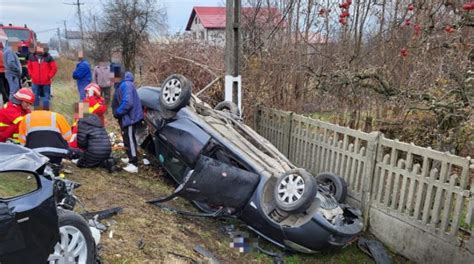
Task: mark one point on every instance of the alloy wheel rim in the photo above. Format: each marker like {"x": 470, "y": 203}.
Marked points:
{"x": 172, "y": 91}
{"x": 71, "y": 248}
{"x": 291, "y": 188}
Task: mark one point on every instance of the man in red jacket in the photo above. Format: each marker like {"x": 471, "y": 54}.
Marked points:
{"x": 42, "y": 68}
{"x": 13, "y": 112}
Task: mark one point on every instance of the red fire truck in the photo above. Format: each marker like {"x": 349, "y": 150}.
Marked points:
{"x": 23, "y": 34}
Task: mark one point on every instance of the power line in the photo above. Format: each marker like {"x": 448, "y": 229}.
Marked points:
{"x": 78, "y": 4}
{"x": 46, "y": 30}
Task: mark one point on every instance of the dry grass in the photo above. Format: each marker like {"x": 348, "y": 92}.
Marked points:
{"x": 162, "y": 234}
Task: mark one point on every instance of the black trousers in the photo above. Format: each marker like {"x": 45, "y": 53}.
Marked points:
{"x": 105, "y": 92}
{"x": 4, "y": 88}
{"x": 130, "y": 142}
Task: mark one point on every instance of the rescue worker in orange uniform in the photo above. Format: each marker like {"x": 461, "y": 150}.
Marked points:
{"x": 13, "y": 112}
{"x": 47, "y": 133}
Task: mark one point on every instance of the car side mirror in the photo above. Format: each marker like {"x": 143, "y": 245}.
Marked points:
{"x": 17, "y": 183}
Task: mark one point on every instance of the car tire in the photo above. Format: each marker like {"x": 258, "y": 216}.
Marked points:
{"x": 175, "y": 92}
{"x": 300, "y": 196}
{"x": 229, "y": 107}
{"x": 337, "y": 185}
{"x": 75, "y": 234}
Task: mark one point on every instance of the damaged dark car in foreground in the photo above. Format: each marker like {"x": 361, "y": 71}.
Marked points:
{"x": 37, "y": 224}
{"x": 226, "y": 168}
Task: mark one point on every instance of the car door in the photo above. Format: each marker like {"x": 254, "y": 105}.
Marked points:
{"x": 179, "y": 145}
{"x": 28, "y": 217}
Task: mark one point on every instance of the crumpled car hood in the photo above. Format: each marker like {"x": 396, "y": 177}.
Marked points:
{"x": 15, "y": 157}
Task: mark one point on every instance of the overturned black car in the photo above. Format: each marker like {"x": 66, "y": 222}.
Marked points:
{"x": 223, "y": 165}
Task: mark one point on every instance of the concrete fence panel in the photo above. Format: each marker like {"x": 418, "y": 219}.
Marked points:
{"x": 417, "y": 200}
{"x": 324, "y": 147}
{"x": 424, "y": 196}
{"x": 275, "y": 126}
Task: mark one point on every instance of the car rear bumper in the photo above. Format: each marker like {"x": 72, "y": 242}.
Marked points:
{"x": 319, "y": 234}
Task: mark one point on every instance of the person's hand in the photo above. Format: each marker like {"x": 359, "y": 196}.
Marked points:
{"x": 73, "y": 154}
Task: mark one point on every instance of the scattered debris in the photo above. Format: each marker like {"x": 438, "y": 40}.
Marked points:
{"x": 182, "y": 256}
{"x": 98, "y": 225}
{"x": 95, "y": 234}
{"x": 375, "y": 250}
{"x": 277, "y": 257}
{"x": 141, "y": 243}
{"x": 107, "y": 213}
{"x": 206, "y": 253}
{"x": 146, "y": 162}
{"x": 112, "y": 137}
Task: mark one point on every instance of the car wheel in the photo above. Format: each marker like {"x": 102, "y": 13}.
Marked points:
{"x": 336, "y": 185}
{"x": 175, "y": 92}
{"x": 229, "y": 107}
{"x": 295, "y": 191}
{"x": 76, "y": 244}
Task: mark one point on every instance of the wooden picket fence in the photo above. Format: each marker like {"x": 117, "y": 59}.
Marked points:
{"x": 427, "y": 189}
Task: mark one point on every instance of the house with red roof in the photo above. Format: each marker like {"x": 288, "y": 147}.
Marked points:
{"x": 208, "y": 23}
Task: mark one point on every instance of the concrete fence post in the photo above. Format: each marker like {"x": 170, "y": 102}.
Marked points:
{"x": 470, "y": 208}
{"x": 288, "y": 128}
{"x": 369, "y": 171}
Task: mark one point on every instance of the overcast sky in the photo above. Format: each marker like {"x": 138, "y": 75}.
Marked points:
{"x": 44, "y": 16}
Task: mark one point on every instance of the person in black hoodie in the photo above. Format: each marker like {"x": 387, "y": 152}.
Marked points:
{"x": 93, "y": 139}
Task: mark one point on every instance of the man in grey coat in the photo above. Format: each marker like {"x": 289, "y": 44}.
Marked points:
{"x": 12, "y": 67}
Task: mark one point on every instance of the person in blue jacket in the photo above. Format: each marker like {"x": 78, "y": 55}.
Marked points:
{"x": 127, "y": 108}
{"x": 82, "y": 74}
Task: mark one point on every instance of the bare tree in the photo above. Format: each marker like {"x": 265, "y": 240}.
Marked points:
{"x": 401, "y": 58}
{"x": 126, "y": 26}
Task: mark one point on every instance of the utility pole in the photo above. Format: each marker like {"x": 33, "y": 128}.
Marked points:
{"x": 65, "y": 35}
{"x": 78, "y": 4}
{"x": 95, "y": 25}
{"x": 233, "y": 80}
{"x": 59, "y": 39}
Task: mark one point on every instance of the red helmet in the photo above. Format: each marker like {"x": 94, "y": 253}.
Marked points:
{"x": 94, "y": 87}
{"x": 25, "y": 95}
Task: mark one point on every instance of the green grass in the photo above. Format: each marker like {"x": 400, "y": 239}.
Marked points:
{"x": 14, "y": 184}
{"x": 463, "y": 223}
{"x": 64, "y": 96}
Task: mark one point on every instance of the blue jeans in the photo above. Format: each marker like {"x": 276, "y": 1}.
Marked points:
{"x": 43, "y": 91}
{"x": 13, "y": 82}
{"x": 81, "y": 86}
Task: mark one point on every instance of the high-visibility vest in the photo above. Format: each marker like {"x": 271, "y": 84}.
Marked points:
{"x": 45, "y": 131}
